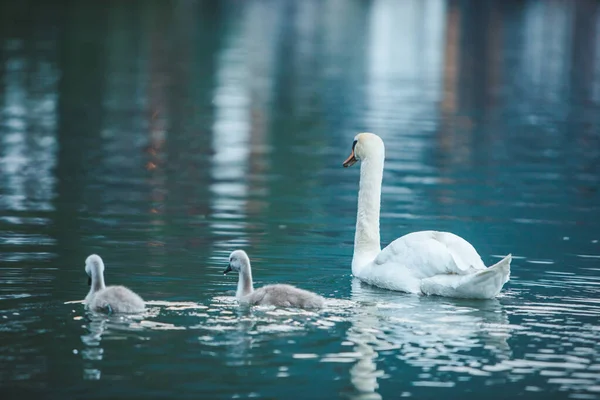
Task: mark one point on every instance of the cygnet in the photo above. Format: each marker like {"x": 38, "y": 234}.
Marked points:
{"x": 111, "y": 299}
{"x": 279, "y": 295}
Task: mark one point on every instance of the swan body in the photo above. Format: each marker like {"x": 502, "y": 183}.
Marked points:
{"x": 427, "y": 262}
{"x": 278, "y": 295}
{"x": 109, "y": 299}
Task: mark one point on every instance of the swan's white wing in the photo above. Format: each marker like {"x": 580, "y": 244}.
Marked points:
{"x": 465, "y": 256}
{"x": 429, "y": 253}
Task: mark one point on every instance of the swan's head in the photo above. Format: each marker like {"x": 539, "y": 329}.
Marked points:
{"x": 238, "y": 261}
{"x": 93, "y": 265}
{"x": 365, "y": 146}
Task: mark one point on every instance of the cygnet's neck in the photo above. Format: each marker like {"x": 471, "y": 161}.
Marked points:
{"x": 244, "y": 287}
{"x": 97, "y": 281}
{"x": 366, "y": 239}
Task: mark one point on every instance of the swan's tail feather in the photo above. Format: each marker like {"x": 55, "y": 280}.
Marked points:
{"x": 503, "y": 266}
{"x": 484, "y": 284}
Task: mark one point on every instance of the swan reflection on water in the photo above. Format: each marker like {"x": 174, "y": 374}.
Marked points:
{"x": 119, "y": 326}
{"x": 230, "y": 326}
{"x": 427, "y": 334}
{"x": 97, "y": 326}
{"x": 424, "y": 332}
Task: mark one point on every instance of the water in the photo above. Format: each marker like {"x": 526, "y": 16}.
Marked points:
{"x": 164, "y": 135}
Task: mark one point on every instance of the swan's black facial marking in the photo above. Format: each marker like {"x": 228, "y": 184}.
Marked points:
{"x": 228, "y": 269}
{"x": 351, "y": 160}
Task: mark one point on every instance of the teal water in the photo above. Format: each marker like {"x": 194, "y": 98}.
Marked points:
{"x": 163, "y": 135}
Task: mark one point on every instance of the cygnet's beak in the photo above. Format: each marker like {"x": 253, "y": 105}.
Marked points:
{"x": 89, "y": 281}
{"x": 350, "y": 161}
{"x": 228, "y": 269}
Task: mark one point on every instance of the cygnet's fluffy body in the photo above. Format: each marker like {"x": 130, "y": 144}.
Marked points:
{"x": 111, "y": 299}
{"x": 279, "y": 295}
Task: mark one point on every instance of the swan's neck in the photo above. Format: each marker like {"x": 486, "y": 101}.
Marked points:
{"x": 366, "y": 239}
{"x": 97, "y": 282}
{"x": 244, "y": 287}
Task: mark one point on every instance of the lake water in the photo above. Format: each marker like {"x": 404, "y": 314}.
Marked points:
{"x": 163, "y": 135}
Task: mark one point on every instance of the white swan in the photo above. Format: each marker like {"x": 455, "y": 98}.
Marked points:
{"x": 111, "y": 299}
{"x": 428, "y": 262}
{"x": 279, "y": 295}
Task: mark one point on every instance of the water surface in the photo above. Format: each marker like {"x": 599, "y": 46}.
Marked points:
{"x": 163, "y": 135}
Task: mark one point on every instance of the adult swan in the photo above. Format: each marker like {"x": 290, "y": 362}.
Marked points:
{"x": 428, "y": 262}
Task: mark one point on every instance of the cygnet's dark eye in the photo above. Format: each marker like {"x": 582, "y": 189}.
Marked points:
{"x": 354, "y": 144}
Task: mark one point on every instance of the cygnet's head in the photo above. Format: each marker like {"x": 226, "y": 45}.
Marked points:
{"x": 365, "y": 145}
{"x": 93, "y": 264}
{"x": 238, "y": 261}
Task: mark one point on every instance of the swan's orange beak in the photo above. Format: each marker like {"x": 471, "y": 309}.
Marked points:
{"x": 350, "y": 161}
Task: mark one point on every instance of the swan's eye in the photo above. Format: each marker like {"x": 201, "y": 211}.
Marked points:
{"x": 354, "y": 144}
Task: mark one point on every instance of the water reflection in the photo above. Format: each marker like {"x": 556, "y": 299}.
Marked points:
{"x": 28, "y": 145}
{"x": 101, "y": 327}
{"x": 97, "y": 326}
{"x": 364, "y": 374}
{"x": 93, "y": 352}
{"x": 167, "y": 133}
{"x": 430, "y": 333}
